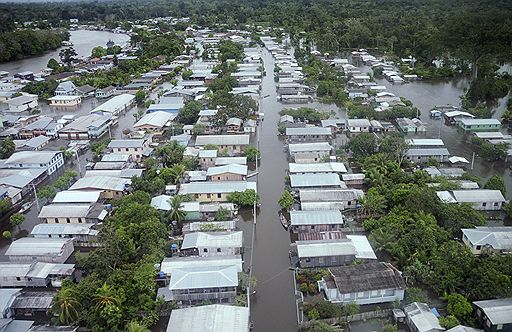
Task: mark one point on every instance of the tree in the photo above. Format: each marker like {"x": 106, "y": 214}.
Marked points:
{"x": 363, "y": 145}
{"x": 373, "y": 202}
{"x": 17, "y": 219}
{"x": 244, "y": 198}
{"x": 6, "y": 235}
{"x": 140, "y": 96}
{"x": 106, "y": 296}
{"x": 176, "y": 173}
{"x": 389, "y": 328}
{"x": 496, "y": 182}
{"x": 286, "y": 200}
{"x": 53, "y": 64}
{"x": 176, "y": 213}
{"x": 252, "y": 153}
{"x": 395, "y": 146}
{"x": 189, "y": 114}
{"x": 66, "y": 306}
{"x": 134, "y": 326}
{"x": 351, "y": 308}
{"x": 99, "y": 52}
{"x": 449, "y": 321}
{"x": 458, "y": 306}
{"x": 186, "y": 74}
{"x": 170, "y": 153}
{"x": 67, "y": 56}
{"x": 7, "y": 148}
{"x": 320, "y": 326}
{"x": 221, "y": 214}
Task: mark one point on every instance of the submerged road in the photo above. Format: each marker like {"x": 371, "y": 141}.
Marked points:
{"x": 273, "y": 306}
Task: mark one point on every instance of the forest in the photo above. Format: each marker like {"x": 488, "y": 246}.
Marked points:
{"x": 15, "y": 45}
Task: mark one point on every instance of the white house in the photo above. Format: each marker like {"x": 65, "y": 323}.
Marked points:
{"x": 481, "y": 199}
{"x": 48, "y": 160}
{"x": 66, "y": 88}
{"x": 22, "y": 103}
{"x": 206, "y": 244}
{"x": 488, "y": 239}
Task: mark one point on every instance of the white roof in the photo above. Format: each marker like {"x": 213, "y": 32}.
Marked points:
{"x": 498, "y": 311}
{"x": 115, "y": 104}
{"x": 309, "y": 147}
{"x": 458, "y": 113}
{"x": 353, "y": 176}
{"x": 31, "y": 246}
{"x": 207, "y": 153}
{"x": 32, "y": 157}
{"x": 126, "y": 143}
{"x": 478, "y": 195}
{"x": 202, "y": 140}
{"x": 325, "y": 248}
{"x": 306, "y": 131}
{"x": 101, "y": 182}
{"x": 363, "y": 247}
{"x": 499, "y": 238}
{"x": 231, "y": 168}
{"x": 315, "y": 180}
{"x": 69, "y": 211}
{"x": 332, "y": 167}
{"x": 456, "y": 159}
{"x": 157, "y": 119}
{"x": 489, "y": 135}
{"x": 358, "y": 123}
{"x": 332, "y": 217}
{"x": 473, "y": 122}
{"x": 426, "y": 142}
{"x": 230, "y": 160}
{"x": 34, "y": 270}
{"x": 64, "y": 97}
{"x": 210, "y": 318}
{"x": 171, "y": 263}
{"x": 64, "y": 229}
{"x": 212, "y": 239}
{"x": 422, "y": 318}
{"x": 428, "y": 152}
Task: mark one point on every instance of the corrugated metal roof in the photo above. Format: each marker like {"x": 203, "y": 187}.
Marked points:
{"x": 499, "y": 238}
{"x": 101, "y": 182}
{"x": 68, "y": 211}
{"x": 422, "y": 318}
{"x": 315, "y": 206}
{"x": 498, "y": 311}
{"x": 115, "y": 157}
{"x": 157, "y": 119}
{"x": 315, "y": 180}
{"x": 332, "y": 167}
{"x": 230, "y": 160}
{"x": 428, "y": 152}
{"x": 211, "y": 318}
{"x": 32, "y": 157}
{"x": 332, "y": 217}
{"x": 363, "y": 247}
{"x": 309, "y": 147}
{"x": 306, "y": 131}
{"x": 171, "y": 263}
{"x": 330, "y": 195}
{"x": 126, "y": 143}
{"x": 64, "y": 229}
{"x": 481, "y": 122}
{"x": 216, "y": 187}
{"x": 202, "y": 140}
{"x": 115, "y": 104}
{"x": 478, "y": 196}
{"x": 204, "y": 277}
{"x": 202, "y": 226}
{"x": 36, "y": 246}
{"x": 213, "y": 239}
{"x": 207, "y": 153}
{"x": 307, "y": 249}
{"x": 231, "y": 168}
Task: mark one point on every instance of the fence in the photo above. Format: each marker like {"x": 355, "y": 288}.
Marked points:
{"x": 385, "y": 313}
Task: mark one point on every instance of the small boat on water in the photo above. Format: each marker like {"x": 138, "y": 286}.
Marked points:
{"x": 283, "y": 220}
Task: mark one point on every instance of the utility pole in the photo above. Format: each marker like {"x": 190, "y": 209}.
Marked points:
{"x": 78, "y": 162}
{"x": 473, "y": 160}
{"x": 35, "y": 195}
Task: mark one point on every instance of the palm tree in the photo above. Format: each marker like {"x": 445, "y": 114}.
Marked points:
{"x": 176, "y": 213}
{"x": 66, "y": 306}
{"x": 7, "y": 148}
{"x": 104, "y": 296}
{"x": 177, "y": 172}
{"x": 136, "y": 327}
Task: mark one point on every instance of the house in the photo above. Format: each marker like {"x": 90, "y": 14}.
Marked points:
{"x": 113, "y": 187}
{"x": 85, "y": 91}
{"x": 422, "y": 156}
{"x": 234, "y": 125}
{"x": 353, "y": 179}
{"x": 232, "y": 172}
{"x": 32, "y": 303}
{"x": 65, "y": 101}
{"x": 369, "y": 283}
{"x": 212, "y": 318}
{"x": 21, "y": 180}
{"x": 453, "y": 117}
{"x": 462, "y": 328}
{"x": 86, "y": 127}
{"x": 206, "y": 244}
{"x": 38, "y": 274}
{"x": 66, "y": 88}
{"x": 356, "y": 126}
{"x": 295, "y": 99}
{"x": 116, "y": 105}
{"x": 317, "y": 168}
{"x": 105, "y": 92}
{"x": 494, "y": 315}
{"x": 217, "y": 226}
{"x": 324, "y": 253}
{"x": 479, "y": 124}
{"x": 407, "y": 125}
{"x": 217, "y": 191}
{"x": 250, "y": 126}
{"x": 234, "y": 144}
{"x": 154, "y": 122}
{"x": 315, "y": 221}
{"x": 322, "y": 180}
{"x": 207, "y": 158}
{"x": 335, "y": 125}
{"x": 308, "y": 134}
{"x": 29, "y": 249}
{"x": 329, "y": 199}
{"x": 488, "y": 240}
{"x": 420, "y": 318}
{"x": 134, "y": 147}
{"x": 192, "y": 280}
{"x": 191, "y": 209}
{"x": 82, "y": 234}
{"x": 17, "y": 325}
{"x": 481, "y": 199}
{"x": 167, "y": 104}
{"x": 304, "y": 153}
{"x": 22, "y": 103}
{"x": 425, "y": 143}
{"x": 43, "y": 126}
{"x": 72, "y": 213}
{"x": 14, "y": 194}
{"x": 50, "y": 161}
{"x": 35, "y": 143}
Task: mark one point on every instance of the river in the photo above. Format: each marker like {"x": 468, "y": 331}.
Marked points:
{"x": 83, "y": 42}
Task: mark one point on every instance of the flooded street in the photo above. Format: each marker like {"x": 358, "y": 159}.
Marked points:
{"x": 83, "y": 42}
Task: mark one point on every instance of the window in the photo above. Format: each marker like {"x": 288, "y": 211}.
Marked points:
{"x": 80, "y": 220}
{"x": 67, "y": 220}
{"x": 496, "y": 204}
{"x": 219, "y": 195}
{"x": 312, "y": 226}
{"x": 18, "y": 278}
{"x": 478, "y": 247}
{"x": 205, "y": 250}
{"x": 499, "y": 327}
{"x": 56, "y": 220}
{"x": 208, "y": 195}
{"x": 218, "y": 177}
{"x": 126, "y": 149}
{"x": 218, "y": 250}
{"x": 484, "y": 204}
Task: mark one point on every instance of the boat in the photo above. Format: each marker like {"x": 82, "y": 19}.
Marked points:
{"x": 283, "y": 220}
{"x": 25, "y": 207}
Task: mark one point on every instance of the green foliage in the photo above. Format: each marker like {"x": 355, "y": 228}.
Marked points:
{"x": 489, "y": 151}
{"x": 413, "y": 294}
{"x": 320, "y": 326}
{"x": 496, "y": 183}
{"x": 7, "y": 148}
{"x": 373, "y": 203}
{"x": 221, "y": 214}
{"x": 305, "y": 114}
{"x": 286, "y": 200}
{"x": 363, "y": 145}
{"x": 23, "y": 43}
{"x": 176, "y": 213}
{"x": 395, "y": 146}
{"x": 387, "y": 327}
{"x": 43, "y": 89}
{"x": 325, "y": 308}
{"x": 170, "y": 153}
{"x": 244, "y": 198}
{"x": 99, "y": 52}
{"x": 53, "y": 64}
{"x": 351, "y": 308}
{"x": 252, "y": 153}
{"x": 449, "y": 321}
{"x": 6, "y": 235}
{"x": 189, "y": 114}
{"x": 230, "y": 50}
{"x": 304, "y": 287}
{"x": 459, "y": 306}
{"x": 313, "y": 314}
{"x": 17, "y": 219}
{"x": 140, "y": 96}
{"x": 66, "y": 306}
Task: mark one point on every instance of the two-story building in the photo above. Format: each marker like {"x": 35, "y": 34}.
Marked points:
{"x": 479, "y": 124}
{"x": 215, "y": 191}
{"x": 315, "y": 221}
{"x": 82, "y": 234}
{"x": 133, "y": 147}
{"x": 50, "y": 161}
{"x": 308, "y": 134}
{"x": 233, "y": 144}
{"x": 232, "y": 172}
{"x": 213, "y": 243}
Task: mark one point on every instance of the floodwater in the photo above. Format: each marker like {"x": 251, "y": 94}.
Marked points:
{"x": 83, "y": 42}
